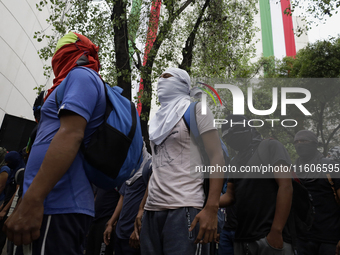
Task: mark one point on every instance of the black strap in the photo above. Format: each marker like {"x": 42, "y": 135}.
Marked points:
{"x": 134, "y": 121}
{"x": 329, "y": 162}
{"x": 109, "y": 106}
{"x": 140, "y": 155}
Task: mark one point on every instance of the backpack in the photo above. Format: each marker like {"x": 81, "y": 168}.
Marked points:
{"x": 114, "y": 152}
{"x": 38, "y": 103}
{"x": 195, "y": 135}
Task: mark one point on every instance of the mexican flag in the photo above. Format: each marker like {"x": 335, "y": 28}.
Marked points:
{"x": 277, "y": 28}
{"x": 150, "y": 39}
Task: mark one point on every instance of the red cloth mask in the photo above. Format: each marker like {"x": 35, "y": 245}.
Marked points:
{"x": 81, "y": 53}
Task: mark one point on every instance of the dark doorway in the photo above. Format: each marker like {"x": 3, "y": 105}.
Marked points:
{"x": 14, "y": 132}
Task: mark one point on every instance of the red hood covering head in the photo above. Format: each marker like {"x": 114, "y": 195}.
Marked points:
{"x": 80, "y": 53}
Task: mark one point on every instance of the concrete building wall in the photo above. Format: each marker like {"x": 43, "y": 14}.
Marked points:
{"x": 303, "y": 40}
{"x": 21, "y": 69}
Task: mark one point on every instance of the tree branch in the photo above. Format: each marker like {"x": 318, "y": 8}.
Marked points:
{"x": 138, "y": 63}
{"x": 189, "y": 44}
{"x": 320, "y": 121}
{"x": 332, "y": 134}
{"x": 185, "y": 5}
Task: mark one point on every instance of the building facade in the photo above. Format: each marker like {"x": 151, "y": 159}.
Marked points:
{"x": 21, "y": 69}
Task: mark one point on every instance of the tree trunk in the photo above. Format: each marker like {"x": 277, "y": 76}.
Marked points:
{"x": 122, "y": 47}
{"x": 147, "y": 69}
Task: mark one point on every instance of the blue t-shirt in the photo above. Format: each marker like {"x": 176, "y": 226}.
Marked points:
{"x": 133, "y": 195}
{"x": 8, "y": 171}
{"x": 85, "y": 96}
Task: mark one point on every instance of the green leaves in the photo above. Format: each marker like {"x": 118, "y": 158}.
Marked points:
{"x": 313, "y": 11}
{"x": 222, "y": 45}
{"x": 318, "y": 68}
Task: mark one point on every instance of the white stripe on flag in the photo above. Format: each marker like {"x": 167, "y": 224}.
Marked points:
{"x": 277, "y": 29}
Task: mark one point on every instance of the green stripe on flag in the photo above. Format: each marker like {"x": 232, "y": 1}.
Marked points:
{"x": 266, "y": 28}
{"x": 133, "y": 24}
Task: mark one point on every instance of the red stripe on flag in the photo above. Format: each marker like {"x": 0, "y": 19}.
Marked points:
{"x": 288, "y": 29}
{"x": 150, "y": 39}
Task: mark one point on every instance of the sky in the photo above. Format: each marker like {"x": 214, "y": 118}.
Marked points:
{"x": 323, "y": 31}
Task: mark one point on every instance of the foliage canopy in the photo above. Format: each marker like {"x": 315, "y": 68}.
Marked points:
{"x": 205, "y": 37}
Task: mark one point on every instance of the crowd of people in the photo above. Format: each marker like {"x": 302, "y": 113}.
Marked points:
{"x": 49, "y": 206}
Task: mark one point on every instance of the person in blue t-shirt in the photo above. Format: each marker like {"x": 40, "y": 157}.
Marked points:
{"x": 14, "y": 162}
{"x": 5, "y": 171}
{"x": 58, "y": 202}
{"x": 131, "y": 194}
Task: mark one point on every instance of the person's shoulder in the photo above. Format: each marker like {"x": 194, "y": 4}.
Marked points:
{"x": 83, "y": 75}
{"x": 275, "y": 151}
{"x": 87, "y": 79}
{"x": 5, "y": 169}
{"x": 271, "y": 146}
{"x": 199, "y": 109}
{"x": 208, "y": 116}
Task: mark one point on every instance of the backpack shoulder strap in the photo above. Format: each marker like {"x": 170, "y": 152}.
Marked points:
{"x": 192, "y": 124}
{"x": 17, "y": 174}
{"x": 134, "y": 122}
{"x": 194, "y": 128}
{"x": 328, "y": 161}
{"x": 194, "y": 132}
{"x": 186, "y": 116}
